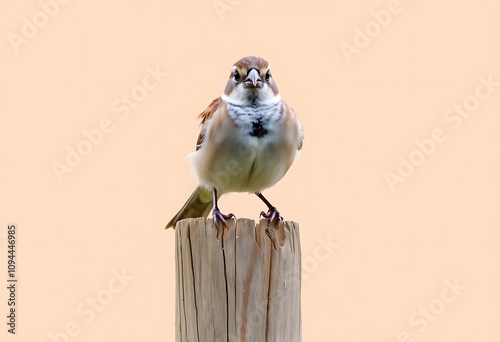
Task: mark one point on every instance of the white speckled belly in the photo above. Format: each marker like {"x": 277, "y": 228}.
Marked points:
{"x": 248, "y": 154}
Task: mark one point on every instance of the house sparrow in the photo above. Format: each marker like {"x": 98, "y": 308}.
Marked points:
{"x": 249, "y": 138}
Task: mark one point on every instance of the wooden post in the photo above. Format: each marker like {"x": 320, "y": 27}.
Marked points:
{"x": 244, "y": 286}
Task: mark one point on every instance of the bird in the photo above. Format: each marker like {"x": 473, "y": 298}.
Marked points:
{"x": 248, "y": 140}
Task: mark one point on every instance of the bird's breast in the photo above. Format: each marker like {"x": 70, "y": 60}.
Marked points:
{"x": 256, "y": 120}
{"x": 250, "y": 152}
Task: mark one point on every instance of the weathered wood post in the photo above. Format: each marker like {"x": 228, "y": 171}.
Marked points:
{"x": 242, "y": 286}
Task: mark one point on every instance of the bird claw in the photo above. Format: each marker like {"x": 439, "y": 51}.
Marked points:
{"x": 220, "y": 218}
{"x": 273, "y": 215}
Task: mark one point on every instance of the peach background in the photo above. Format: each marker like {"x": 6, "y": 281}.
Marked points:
{"x": 395, "y": 249}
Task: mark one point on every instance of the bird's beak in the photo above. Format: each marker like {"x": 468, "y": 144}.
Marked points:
{"x": 253, "y": 79}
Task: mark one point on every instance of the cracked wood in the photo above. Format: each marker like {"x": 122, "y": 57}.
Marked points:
{"x": 243, "y": 286}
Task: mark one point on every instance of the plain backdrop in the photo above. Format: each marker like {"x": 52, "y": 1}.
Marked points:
{"x": 371, "y": 81}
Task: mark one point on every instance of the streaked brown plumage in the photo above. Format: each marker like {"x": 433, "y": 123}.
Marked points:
{"x": 248, "y": 140}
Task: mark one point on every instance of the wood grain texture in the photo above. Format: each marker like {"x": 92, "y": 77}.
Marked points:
{"x": 242, "y": 286}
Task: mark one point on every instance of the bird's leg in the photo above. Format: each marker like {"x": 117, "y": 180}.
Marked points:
{"x": 218, "y": 216}
{"x": 273, "y": 214}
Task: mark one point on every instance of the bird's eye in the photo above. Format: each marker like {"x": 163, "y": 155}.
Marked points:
{"x": 237, "y": 76}
{"x": 268, "y": 75}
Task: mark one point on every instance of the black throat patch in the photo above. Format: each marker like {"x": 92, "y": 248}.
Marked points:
{"x": 256, "y": 120}
{"x": 258, "y": 129}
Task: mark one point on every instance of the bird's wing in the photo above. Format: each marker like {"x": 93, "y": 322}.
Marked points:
{"x": 301, "y": 130}
{"x": 204, "y": 116}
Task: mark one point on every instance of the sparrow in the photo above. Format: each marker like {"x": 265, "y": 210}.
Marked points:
{"x": 248, "y": 140}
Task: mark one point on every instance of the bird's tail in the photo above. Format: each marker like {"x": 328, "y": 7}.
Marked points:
{"x": 198, "y": 205}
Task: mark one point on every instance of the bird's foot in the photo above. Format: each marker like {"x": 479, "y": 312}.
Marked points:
{"x": 220, "y": 218}
{"x": 273, "y": 215}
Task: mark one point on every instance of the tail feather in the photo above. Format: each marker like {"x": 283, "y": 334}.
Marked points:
{"x": 198, "y": 205}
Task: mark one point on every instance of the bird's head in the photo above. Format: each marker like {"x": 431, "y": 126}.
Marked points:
{"x": 251, "y": 83}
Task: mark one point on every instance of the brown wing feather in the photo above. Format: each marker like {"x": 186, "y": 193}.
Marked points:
{"x": 204, "y": 116}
